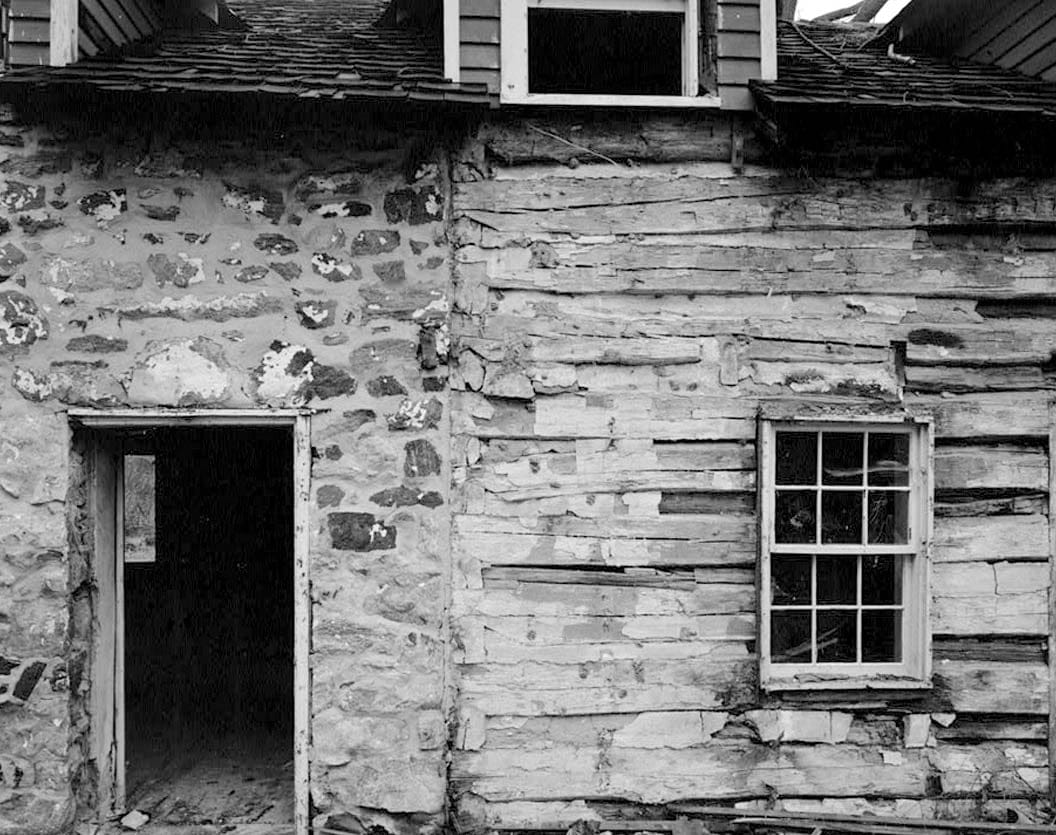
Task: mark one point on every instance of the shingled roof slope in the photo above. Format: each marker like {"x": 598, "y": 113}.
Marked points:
{"x": 827, "y": 64}
{"x": 306, "y": 49}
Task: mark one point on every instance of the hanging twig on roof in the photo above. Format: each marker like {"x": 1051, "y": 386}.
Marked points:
{"x": 571, "y": 144}
{"x": 818, "y": 47}
{"x": 894, "y": 56}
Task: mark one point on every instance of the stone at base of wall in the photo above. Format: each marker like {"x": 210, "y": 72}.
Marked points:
{"x": 35, "y": 813}
{"x": 374, "y": 822}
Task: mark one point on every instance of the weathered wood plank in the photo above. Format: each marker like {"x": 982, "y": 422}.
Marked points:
{"x": 687, "y": 202}
{"x": 521, "y": 549}
{"x": 729, "y": 528}
{"x": 554, "y": 599}
{"x": 693, "y": 265}
{"x": 668, "y": 417}
{"x": 970, "y": 503}
{"x": 561, "y": 348}
{"x": 686, "y": 579}
{"x": 947, "y": 378}
{"x": 990, "y": 539}
{"x": 621, "y": 481}
{"x": 712, "y": 771}
{"x": 720, "y": 675}
{"x": 1017, "y": 414}
{"x": 993, "y": 466}
{"x": 661, "y": 137}
{"x": 542, "y": 632}
{"x": 968, "y": 730}
{"x": 1016, "y": 769}
{"x": 990, "y": 598}
{"x": 995, "y": 687}
{"x": 561, "y": 814}
{"x": 650, "y": 730}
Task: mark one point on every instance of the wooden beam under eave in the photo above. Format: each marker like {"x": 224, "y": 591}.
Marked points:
{"x": 63, "y": 32}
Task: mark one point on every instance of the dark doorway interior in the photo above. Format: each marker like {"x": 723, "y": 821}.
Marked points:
{"x": 209, "y": 631}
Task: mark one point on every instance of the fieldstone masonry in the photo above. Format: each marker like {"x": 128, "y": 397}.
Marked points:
{"x": 225, "y": 273}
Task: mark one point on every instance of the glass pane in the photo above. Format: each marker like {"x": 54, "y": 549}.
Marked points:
{"x": 837, "y": 641}
{"x": 881, "y": 580}
{"x": 881, "y": 636}
{"x": 841, "y": 517}
{"x": 790, "y": 637}
{"x": 888, "y": 517}
{"x": 790, "y": 581}
{"x": 838, "y": 580}
{"x": 794, "y": 516}
{"x": 889, "y": 459}
{"x": 797, "y": 458}
{"x": 841, "y": 457}
{"x": 139, "y": 509}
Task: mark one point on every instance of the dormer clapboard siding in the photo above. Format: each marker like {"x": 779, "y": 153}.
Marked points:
{"x": 58, "y": 32}
{"x": 738, "y": 39}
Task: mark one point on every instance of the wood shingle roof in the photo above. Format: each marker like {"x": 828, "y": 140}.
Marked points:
{"x": 306, "y": 49}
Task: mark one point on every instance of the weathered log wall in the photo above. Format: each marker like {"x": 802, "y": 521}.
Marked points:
{"x": 617, "y": 329}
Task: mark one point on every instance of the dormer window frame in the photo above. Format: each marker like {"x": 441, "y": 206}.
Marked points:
{"x": 514, "y": 87}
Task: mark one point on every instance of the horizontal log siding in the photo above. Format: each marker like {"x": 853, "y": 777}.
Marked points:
{"x": 616, "y": 331}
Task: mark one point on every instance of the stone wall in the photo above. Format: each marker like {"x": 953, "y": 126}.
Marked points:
{"x": 240, "y": 270}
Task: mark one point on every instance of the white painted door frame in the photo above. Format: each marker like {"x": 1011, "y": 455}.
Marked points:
{"x": 109, "y": 736}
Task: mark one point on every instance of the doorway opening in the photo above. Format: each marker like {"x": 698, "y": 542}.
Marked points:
{"x": 209, "y": 630}
{"x": 199, "y": 704}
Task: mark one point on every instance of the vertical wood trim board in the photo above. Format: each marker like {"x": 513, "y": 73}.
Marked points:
{"x": 1052, "y": 601}
{"x": 119, "y": 633}
{"x": 768, "y": 39}
{"x": 104, "y": 625}
{"x": 452, "y": 35}
{"x": 63, "y": 32}
{"x": 302, "y": 608}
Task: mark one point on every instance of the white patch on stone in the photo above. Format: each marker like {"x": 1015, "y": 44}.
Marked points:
{"x": 38, "y": 388}
{"x": 431, "y": 206}
{"x": 316, "y": 314}
{"x": 276, "y": 383}
{"x": 435, "y": 306}
{"x": 326, "y": 265}
{"x": 197, "y": 263}
{"x": 178, "y": 372}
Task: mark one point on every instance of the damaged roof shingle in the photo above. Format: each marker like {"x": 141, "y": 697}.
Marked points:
{"x": 309, "y": 49}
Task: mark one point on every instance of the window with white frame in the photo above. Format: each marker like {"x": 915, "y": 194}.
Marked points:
{"x": 844, "y": 566}
{"x": 609, "y": 52}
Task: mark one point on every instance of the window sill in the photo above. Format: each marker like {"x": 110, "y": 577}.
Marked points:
{"x": 612, "y": 101}
{"x": 823, "y": 681}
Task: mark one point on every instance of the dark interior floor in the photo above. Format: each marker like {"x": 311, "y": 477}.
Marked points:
{"x": 209, "y": 633}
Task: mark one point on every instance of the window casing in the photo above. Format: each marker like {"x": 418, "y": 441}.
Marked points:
{"x": 517, "y": 80}
{"x": 845, "y": 527}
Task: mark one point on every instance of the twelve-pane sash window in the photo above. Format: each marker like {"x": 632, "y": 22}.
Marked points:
{"x": 842, "y": 564}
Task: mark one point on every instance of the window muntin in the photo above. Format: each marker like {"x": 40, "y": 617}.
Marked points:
{"x": 843, "y": 562}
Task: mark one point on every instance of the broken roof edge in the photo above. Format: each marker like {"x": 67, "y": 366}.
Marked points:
{"x": 76, "y": 80}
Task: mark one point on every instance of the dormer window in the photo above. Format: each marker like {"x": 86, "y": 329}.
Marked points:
{"x": 604, "y": 52}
